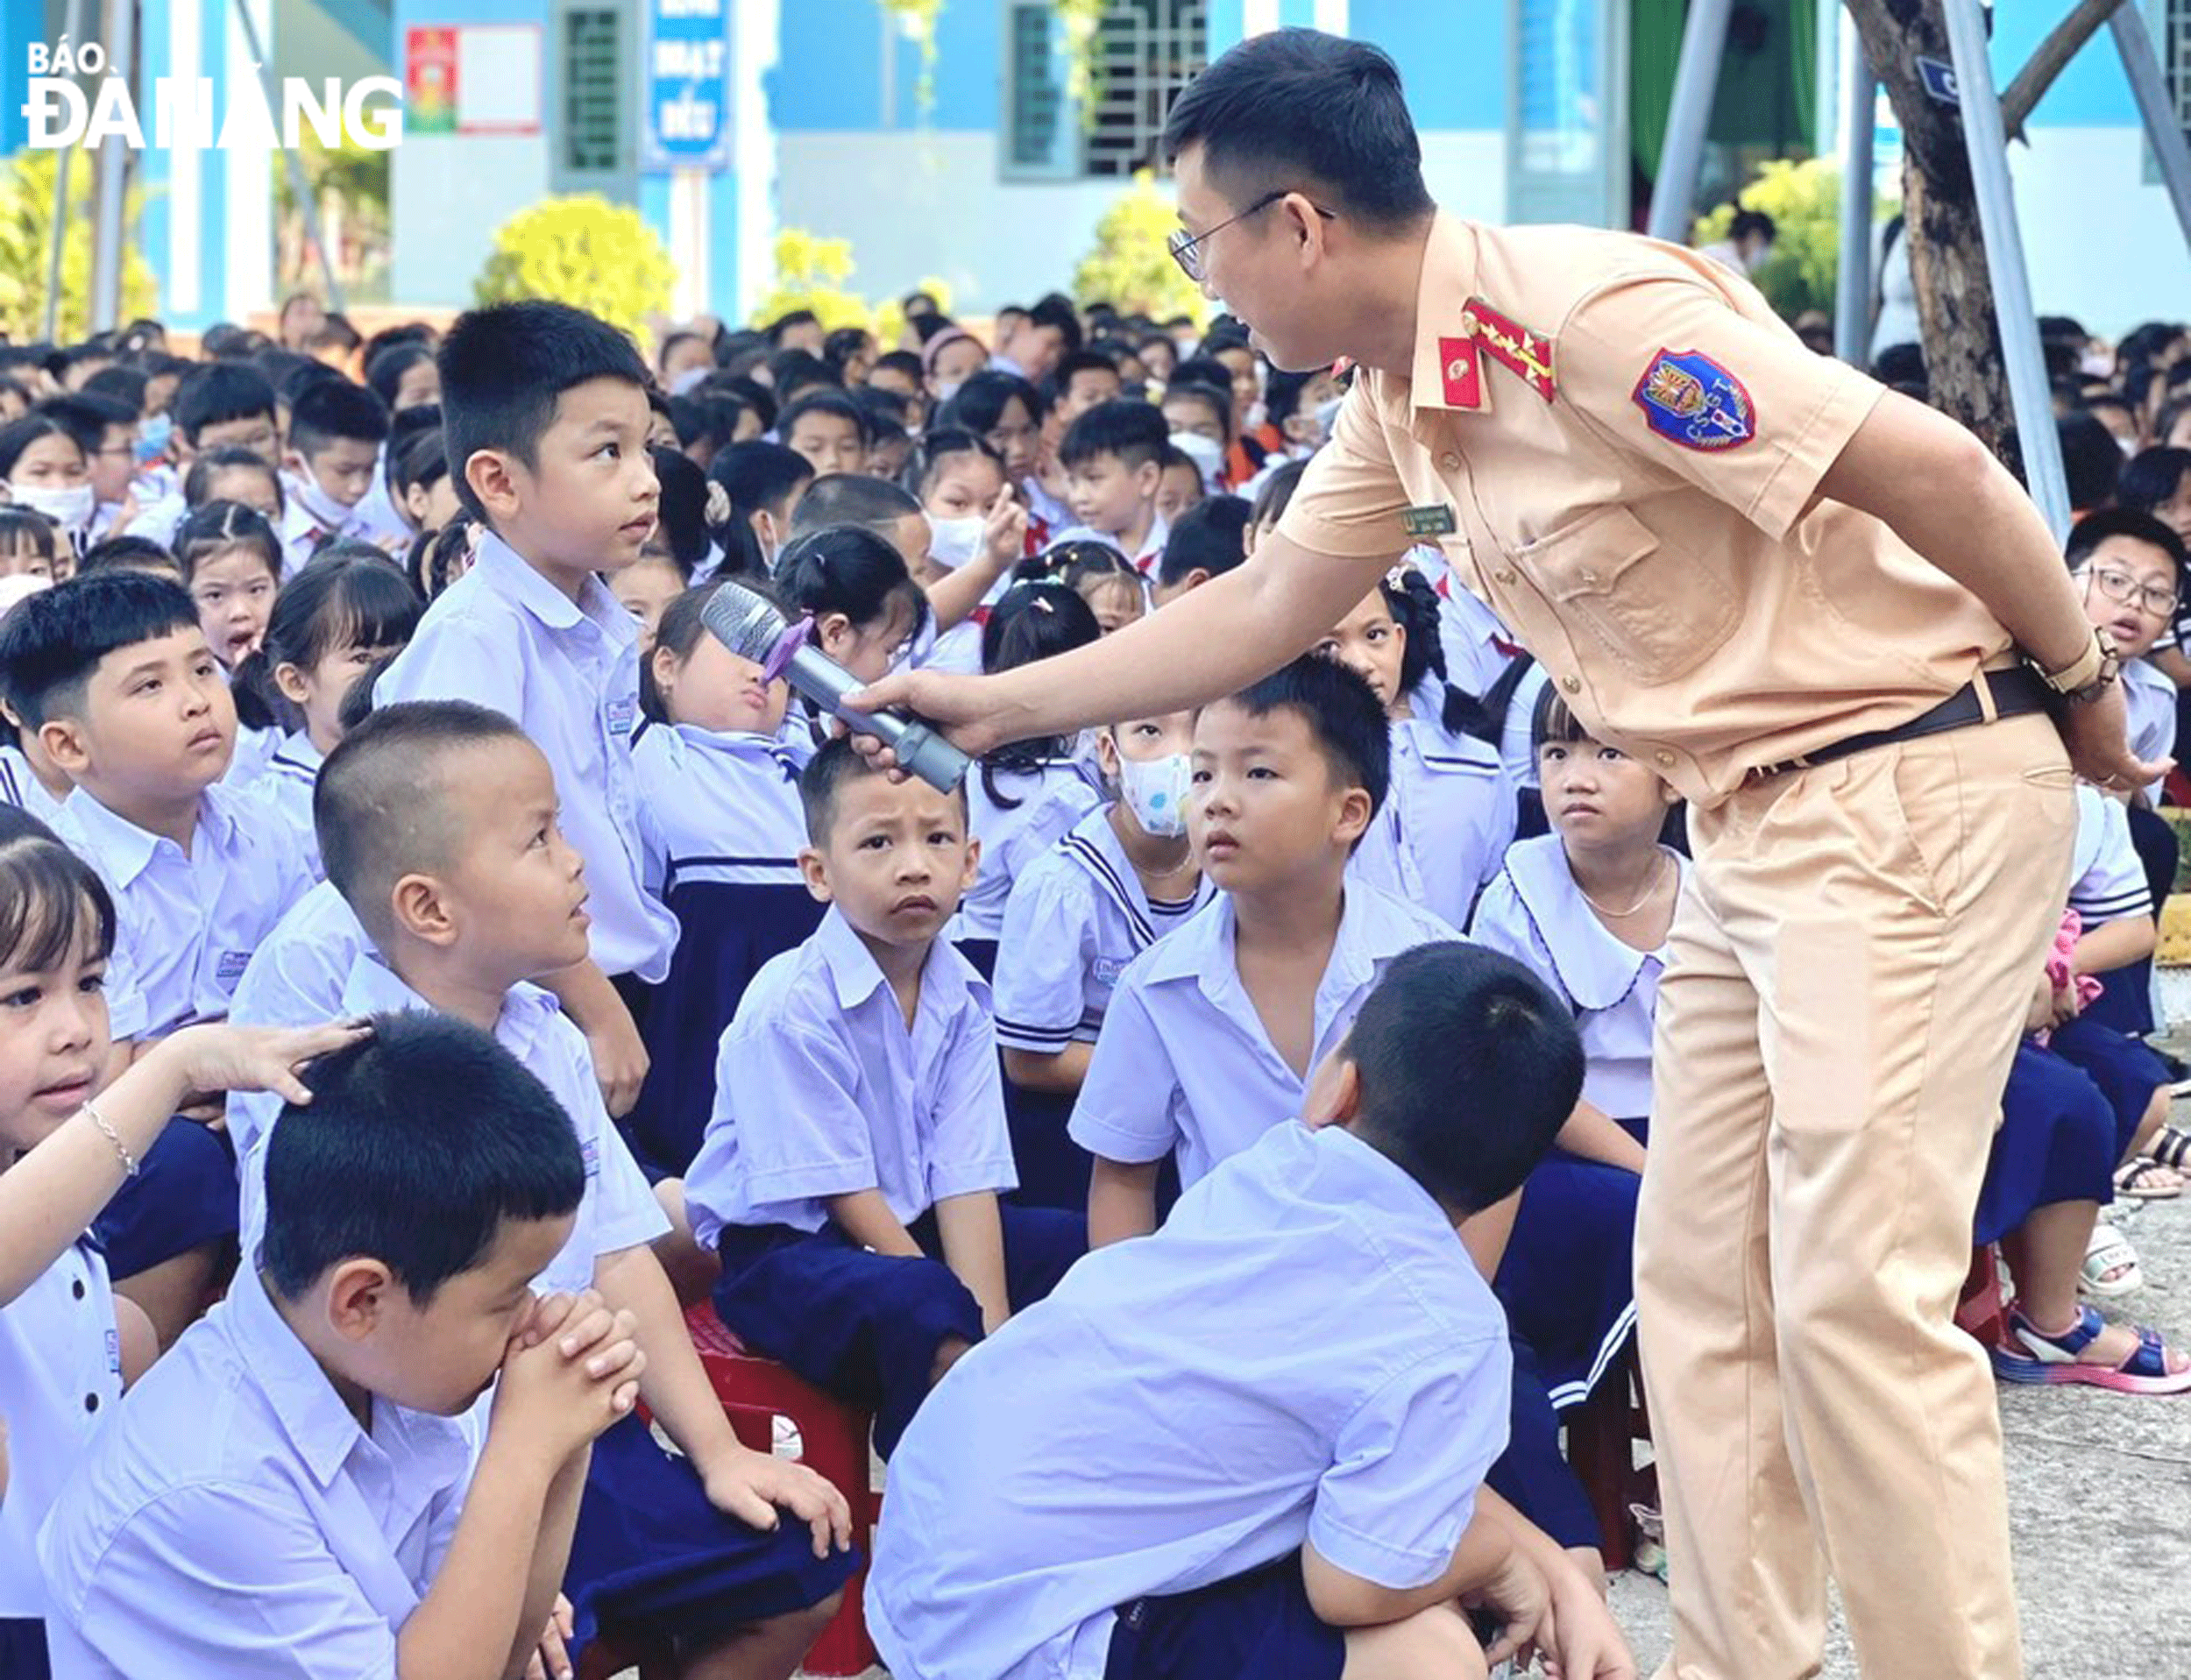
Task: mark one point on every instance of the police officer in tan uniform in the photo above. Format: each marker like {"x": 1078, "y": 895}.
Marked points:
{"x": 1828, "y": 617}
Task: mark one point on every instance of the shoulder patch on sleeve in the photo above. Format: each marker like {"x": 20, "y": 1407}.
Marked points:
{"x": 1689, "y": 399}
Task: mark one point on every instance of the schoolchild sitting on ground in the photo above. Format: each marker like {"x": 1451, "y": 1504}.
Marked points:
{"x": 113, "y": 672}
{"x": 1212, "y": 1032}
{"x": 68, "y": 1343}
{"x": 293, "y": 1490}
{"x": 438, "y": 821}
{"x": 850, "y": 1173}
{"x": 1252, "y": 1445}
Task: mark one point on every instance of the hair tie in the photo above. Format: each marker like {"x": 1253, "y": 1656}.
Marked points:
{"x": 1397, "y": 577}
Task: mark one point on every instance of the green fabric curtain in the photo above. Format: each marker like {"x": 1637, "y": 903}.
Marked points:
{"x": 1776, "y": 112}
{"x": 1654, "y": 53}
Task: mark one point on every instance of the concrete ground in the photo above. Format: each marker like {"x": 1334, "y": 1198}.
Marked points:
{"x": 2099, "y": 1501}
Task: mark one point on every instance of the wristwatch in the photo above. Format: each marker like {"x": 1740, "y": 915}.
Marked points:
{"x": 2089, "y": 676}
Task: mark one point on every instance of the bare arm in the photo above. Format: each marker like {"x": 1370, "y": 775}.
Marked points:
{"x": 865, "y": 1216}
{"x": 1038, "y": 1070}
{"x": 2108, "y": 946}
{"x": 973, "y": 1236}
{"x": 1592, "y": 1134}
{"x": 674, "y": 1388}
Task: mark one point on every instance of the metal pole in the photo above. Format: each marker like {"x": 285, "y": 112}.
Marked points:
{"x": 2142, "y": 65}
{"x": 113, "y": 179}
{"x": 1852, "y": 287}
{"x": 1696, "y": 84}
{"x": 300, "y": 183}
{"x": 50, "y": 323}
{"x": 2028, "y": 393}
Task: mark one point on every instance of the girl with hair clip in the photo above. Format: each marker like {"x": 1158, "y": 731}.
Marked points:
{"x": 345, "y": 611}
{"x": 725, "y": 831}
{"x": 1029, "y": 793}
{"x": 867, "y": 610}
{"x": 232, "y": 565}
{"x": 68, "y": 1346}
{"x": 1115, "y": 592}
{"x": 1441, "y": 833}
{"x": 976, "y": 531}
{"x": 438, "y": 558}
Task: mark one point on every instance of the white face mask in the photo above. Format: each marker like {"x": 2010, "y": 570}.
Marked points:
{"x": 946, "y": 389}
{"x": 1155, "y": 790}
{"x": 68, "y": 506}
{"x": 955, "y": 543}
{"x": 307, "y": 491}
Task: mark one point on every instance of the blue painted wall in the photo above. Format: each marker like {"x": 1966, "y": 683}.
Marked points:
{"x": 2092, "y": 92}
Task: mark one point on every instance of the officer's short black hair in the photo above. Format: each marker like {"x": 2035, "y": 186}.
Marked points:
{"x": 1298, "y": 111}
{"x": 1468, "y": 1066}
{"x": 1344, "y": 716}
{"x": 505, "y": 367}
{"x": 419, "y": 1144}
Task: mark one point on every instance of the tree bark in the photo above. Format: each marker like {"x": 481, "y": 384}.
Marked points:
{"x": 2067, "y": 40}
{"x": 1963, "y": 359}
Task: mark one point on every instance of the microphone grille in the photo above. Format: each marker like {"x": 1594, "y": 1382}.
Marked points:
{"x": 744, "y": 622}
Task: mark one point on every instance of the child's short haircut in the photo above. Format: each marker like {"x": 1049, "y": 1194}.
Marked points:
{"x": 334, "y": 409}
{"x": 25, "y": 531}
{"x": 1277, "y": 494}
{"x": 792, "y": 371}
{"x": 1054, "y": 309}
{"x": 87, "y": 415}
{"x": 1554, "y": 723}
{"x": 2087, "y": 535}
{"x": 1469, "y": 1065}
{"x": 831, "y": 402}
{"x": 504, "y": 369}
{"x": 1133, "y": 430}
{"x": 1217, "y": 400}
{"x": 681, "y": 508}
{"x": 853, "y": 498}
{"x": 197, "y": 483}
{"x": 1343, "y": 717}
{"x": 380, "y": 806}
{"x": 129, "y": 554}
{"x": 758, "y": 474}
{"x": 51, "y": 643}
{"x": 1093, "y": 360}
{"x": 218, "y": 393}
{"x": 420, "y": 1142}
{"x": 1210, "y": 538}
{"x": 826, "y": 775}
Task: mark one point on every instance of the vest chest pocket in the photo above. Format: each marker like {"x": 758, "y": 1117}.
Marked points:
{"x": 1660, "y": 611}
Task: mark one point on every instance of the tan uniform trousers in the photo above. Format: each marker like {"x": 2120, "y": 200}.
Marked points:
{"x": 1850, "y": 973}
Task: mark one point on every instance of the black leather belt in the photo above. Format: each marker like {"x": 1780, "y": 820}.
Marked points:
{"x": 2016, "y": 690}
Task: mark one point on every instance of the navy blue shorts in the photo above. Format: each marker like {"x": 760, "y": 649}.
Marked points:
{"x": 1254, "y": 1627}
{"x": 23, "y": 1649}
{"x": 2056, "y": 1144}
{"x": 184, "y": 1196}
{"x": 651, "y": 1555}
{"x": 1531, "y": 1474}
{"x": 2127, "y": 1071}
{"x": 865, "y": 1327}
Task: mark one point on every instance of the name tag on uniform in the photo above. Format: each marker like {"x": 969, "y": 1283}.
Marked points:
{"x": 590, "y": 1154}
{"x": 114, "y": 1352}
{"x": 621, "y": 713}
{"x": 229, "y": 968}
{"x": 1431, "y": 520}
{"x": 1108, "y": 969}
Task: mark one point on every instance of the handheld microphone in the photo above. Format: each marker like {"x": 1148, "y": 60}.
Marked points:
{"x": 751, "y": 628}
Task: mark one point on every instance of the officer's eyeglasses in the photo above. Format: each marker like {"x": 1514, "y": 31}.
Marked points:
{"x": 1185, "y": 247}
{"x": 2157, "y": 599}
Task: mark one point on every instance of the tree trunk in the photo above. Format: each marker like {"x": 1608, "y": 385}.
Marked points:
{"x": 1947, "y": 254}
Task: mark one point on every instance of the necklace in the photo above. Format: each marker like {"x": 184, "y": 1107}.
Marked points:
{"x": 1649, "y": 889}
{"x": 1179, "y": 868}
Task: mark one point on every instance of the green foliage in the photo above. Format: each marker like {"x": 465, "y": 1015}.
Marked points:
{"x": 1805, "y": 201}
{"x": 26, "y": 242}
{"x": 584, "y": 250}
{"x": 1131, "y": 267}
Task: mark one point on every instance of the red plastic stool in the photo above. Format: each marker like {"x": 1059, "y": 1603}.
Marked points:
{"x": 1601, "y": 1436}
{"x": 834, "y": 1443}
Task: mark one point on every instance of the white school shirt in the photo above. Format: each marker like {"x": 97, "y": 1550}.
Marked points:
{"x": 60, "y": 1378}
{"x": 20, "y": 787}
{"x": 283, "y": 794}
{"x": 1536, "y": 914}
{"x": 1303, "y": 1354}
{"x": 1146, "y": 562}
{"x": 958, "y": 649}
{"x": 2152, "y": 699}
{"x": 2107, "y": 882}
{"x": 720, "y": 807}
{"x": 568, "y": 672}
{"x": 188, "y": 925}
{"x": 254, "y": 750}
{"x": 236, "y": 1524}
{"x": 301, "y": 530}
{"x": 821, "y": 1091}
{"x": 1077, "y": 916}
{"x": 1051, "y": 799}
{"x": 1183, "y": 1064}
{"x": 295, "y": 978}
{"x": 1478, "y": 646}
{"x": 1453, "y": 806}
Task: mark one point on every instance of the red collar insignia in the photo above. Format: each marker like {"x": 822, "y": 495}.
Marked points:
{"x": 1461, "y": 371}
{"x": 1512, "y": 345}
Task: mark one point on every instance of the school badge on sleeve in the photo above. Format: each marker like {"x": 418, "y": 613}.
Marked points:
{"x": 1689, "y": 399}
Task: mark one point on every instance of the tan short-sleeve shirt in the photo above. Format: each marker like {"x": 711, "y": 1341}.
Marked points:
{"x": 1618, "y": 447}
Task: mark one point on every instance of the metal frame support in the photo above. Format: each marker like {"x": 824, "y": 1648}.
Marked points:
{"x": 50, "y": 326}
{"x": 112, "y": 180}
{"x": 2028, "y": 393}
{"x": 1851, "y": 286}
{"x": 1696, "y": 85}
{"x": 2142, "y": 65}
{"x": 300, "y": 183}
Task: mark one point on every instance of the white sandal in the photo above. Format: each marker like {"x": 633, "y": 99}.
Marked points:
{"x": 2107, "y": 1252}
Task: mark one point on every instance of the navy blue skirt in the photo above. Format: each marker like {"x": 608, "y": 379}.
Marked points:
{"x": 727, "y": 934}
{"x": 1568, "y": 1277}
{"x": 2127, "y": 1072}
{"x": 184, "y": 1196}
{"x": 1054, "y": 1170}
{"x": 865, "y": 1327}
{"x": 2056, "y": 1144}
{"x": 1255, "y": 1627}
{"x": 651, "y": 1555}
{"x": 23, "y": 1649}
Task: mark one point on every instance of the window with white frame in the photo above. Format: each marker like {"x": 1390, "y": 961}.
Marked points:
{"x": 1142, "y": 54}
